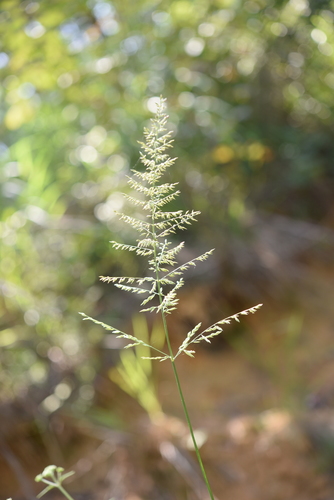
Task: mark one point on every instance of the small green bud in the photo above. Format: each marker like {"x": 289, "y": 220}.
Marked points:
{"x": 49, "y": 470}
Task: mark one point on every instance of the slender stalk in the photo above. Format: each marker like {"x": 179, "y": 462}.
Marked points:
{"x": 199, "y": 458}
{"x": 178, "y": 384}
{"x": 185, "y": 409}
{"x": 64, "y": 492}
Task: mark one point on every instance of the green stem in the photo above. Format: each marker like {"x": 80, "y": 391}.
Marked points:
{"x": 199, "y": 458}
{"x": 64, "y": 492}
{"x": 185, "y": 409}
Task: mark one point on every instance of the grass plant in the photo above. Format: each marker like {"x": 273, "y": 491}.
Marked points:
{"x": 165, "y": 278}
{"x": 159, "y": 288}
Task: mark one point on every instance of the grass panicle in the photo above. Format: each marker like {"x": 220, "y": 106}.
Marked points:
{"x": 162, "y": 286}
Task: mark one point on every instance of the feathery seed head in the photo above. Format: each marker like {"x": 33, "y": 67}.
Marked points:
{"x": 154, "y": 228}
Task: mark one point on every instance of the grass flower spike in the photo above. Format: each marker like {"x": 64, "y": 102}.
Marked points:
{"x": 160, "y": 287}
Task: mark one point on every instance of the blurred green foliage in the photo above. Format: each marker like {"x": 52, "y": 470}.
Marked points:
{"x": 249, "y": 86}
{"x": 134, "y": 372}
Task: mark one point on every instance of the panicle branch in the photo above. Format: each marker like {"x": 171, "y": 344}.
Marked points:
{"x": 213, "y": 330}
{"x": 122, "y": 335}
